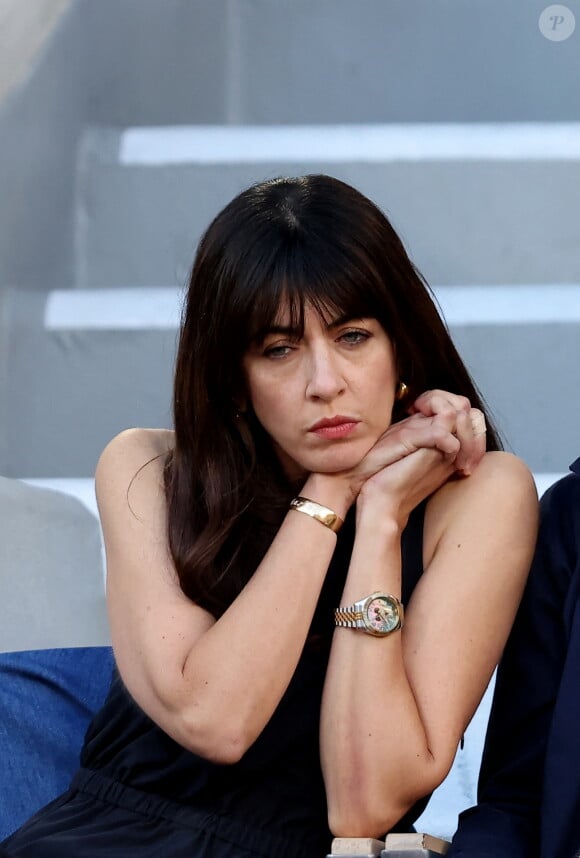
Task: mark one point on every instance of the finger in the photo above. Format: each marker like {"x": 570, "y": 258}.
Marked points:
{"x": 471, "y": 431}
{"x": 466, "y": 438}
{"x": 394, "y": 429}
{"x": 435, "y": 433}
{"x": 433, "y": 402}
{"x": 477, "y": 422}
{"x": 479, "y": 430}
{"x": 412, "y": 434}
{"x": 409, "y": 436}
{"x": 423, "y": 471}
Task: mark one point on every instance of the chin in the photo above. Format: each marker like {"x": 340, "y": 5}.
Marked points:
{"x": 334, "y": 463}
{"x": 330, "y": 461}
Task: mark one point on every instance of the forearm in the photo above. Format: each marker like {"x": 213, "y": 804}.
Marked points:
{"x": 375, "y": 749}
{"x": 236, "y": 673}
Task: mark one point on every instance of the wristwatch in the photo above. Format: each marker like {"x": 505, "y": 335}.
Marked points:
{"x": 377, "y": 614}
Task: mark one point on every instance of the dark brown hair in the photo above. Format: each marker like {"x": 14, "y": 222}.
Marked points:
{"x": 309, "y": 240}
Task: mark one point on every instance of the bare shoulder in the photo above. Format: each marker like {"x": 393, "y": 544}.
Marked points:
{"x": 501, "y": 469}
{"x": 132, "y": 461}
{"x": 132, "y": 448}
{"x": 134, "y": 445}
{"x": 500, "y": 492}
{"x": 499, "y": 475}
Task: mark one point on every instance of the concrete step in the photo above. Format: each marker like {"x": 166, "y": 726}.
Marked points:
{"x": 67, "y": 390}
{"x": 82, "y": 365}
{"x": 494, "y": 204}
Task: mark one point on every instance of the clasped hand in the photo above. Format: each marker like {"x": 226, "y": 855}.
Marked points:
{"x": 415, "y": 456}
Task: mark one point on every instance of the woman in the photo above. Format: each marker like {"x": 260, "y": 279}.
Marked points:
{"x": 253, "y": 715}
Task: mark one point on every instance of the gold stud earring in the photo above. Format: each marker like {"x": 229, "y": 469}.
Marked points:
{"x": 401, "y": 391}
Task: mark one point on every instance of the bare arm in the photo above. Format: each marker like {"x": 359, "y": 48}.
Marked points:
{"x": 394, "y": 708}
{"x": 210, "y": 685}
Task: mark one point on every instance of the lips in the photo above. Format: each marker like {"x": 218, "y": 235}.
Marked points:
{"x": 333, "y": 428}
{"x": 329, "y": 422}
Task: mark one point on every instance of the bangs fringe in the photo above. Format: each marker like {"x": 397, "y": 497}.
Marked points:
{"x": 324, "y": 278}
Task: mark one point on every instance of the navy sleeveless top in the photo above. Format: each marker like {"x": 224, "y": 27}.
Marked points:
{"x": 278, "y": 783}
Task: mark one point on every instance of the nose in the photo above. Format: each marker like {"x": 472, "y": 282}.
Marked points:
{"x": 325, "y": 379}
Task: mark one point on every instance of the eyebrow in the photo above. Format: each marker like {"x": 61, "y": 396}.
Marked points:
{"x": 292, "y": 331}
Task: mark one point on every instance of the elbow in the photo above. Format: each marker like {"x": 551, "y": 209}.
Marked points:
{"x": 224, "y": 749}
{"x": 364, "y": 821}
{"x": 216, "y": 741}
{"x": 343, "y": 826}
{"x": 364, "y": 814}
{"x": 201, "y": 722}
{"x": 374, "y": 812}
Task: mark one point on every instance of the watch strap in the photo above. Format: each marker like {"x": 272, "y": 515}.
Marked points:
{"x": 349, "y": 618}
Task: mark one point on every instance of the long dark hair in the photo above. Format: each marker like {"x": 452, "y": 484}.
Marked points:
{"x": 310, "y": 240}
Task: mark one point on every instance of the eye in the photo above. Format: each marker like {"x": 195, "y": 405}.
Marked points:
{"x": 276, "y": 351}
{"x": 354, "y": 337}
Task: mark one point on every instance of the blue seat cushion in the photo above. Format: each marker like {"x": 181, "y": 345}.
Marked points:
{"x": 47, "y": 699}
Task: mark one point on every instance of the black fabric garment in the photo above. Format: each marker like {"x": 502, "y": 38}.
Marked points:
{"x": 140, "y": 793}
{"x": 529, "y": 786}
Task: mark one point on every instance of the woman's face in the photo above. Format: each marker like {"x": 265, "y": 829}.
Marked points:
{"x": 326, "y": 398}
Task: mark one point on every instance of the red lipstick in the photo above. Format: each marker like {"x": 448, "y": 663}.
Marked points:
{"x": 334, "y": 427}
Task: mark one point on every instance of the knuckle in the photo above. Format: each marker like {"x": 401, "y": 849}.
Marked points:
{"x": 441, "y": 432}
{"x": 446, "y": 415}
{"x": 465, "y": 404}
{"x": 463, "y": 420}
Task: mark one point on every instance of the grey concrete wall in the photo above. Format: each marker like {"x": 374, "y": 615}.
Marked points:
{"x": 133, "y": 62}
{"x": 161, "y": 62}
{"x": 40, "y": 122}
{"x": 24, "y": 28}
{"x": 403, "y": 61}
{"x": 257, "y": 61}
{"x": 300, "y": 61}
{"x": 70, "y": 391}
{"x": 105, "y": 61}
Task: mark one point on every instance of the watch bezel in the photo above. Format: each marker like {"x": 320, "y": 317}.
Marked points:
{"x": 394, "y": 604}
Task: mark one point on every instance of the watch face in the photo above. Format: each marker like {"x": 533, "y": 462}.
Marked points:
{"x": 381, "y": 615}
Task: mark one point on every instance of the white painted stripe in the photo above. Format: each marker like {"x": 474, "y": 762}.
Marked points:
{"x": 509, "y": 305}
{"x": 160, "y": 308}
{"x": 218, "y": 144}
{"x": 127, "y": 309}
